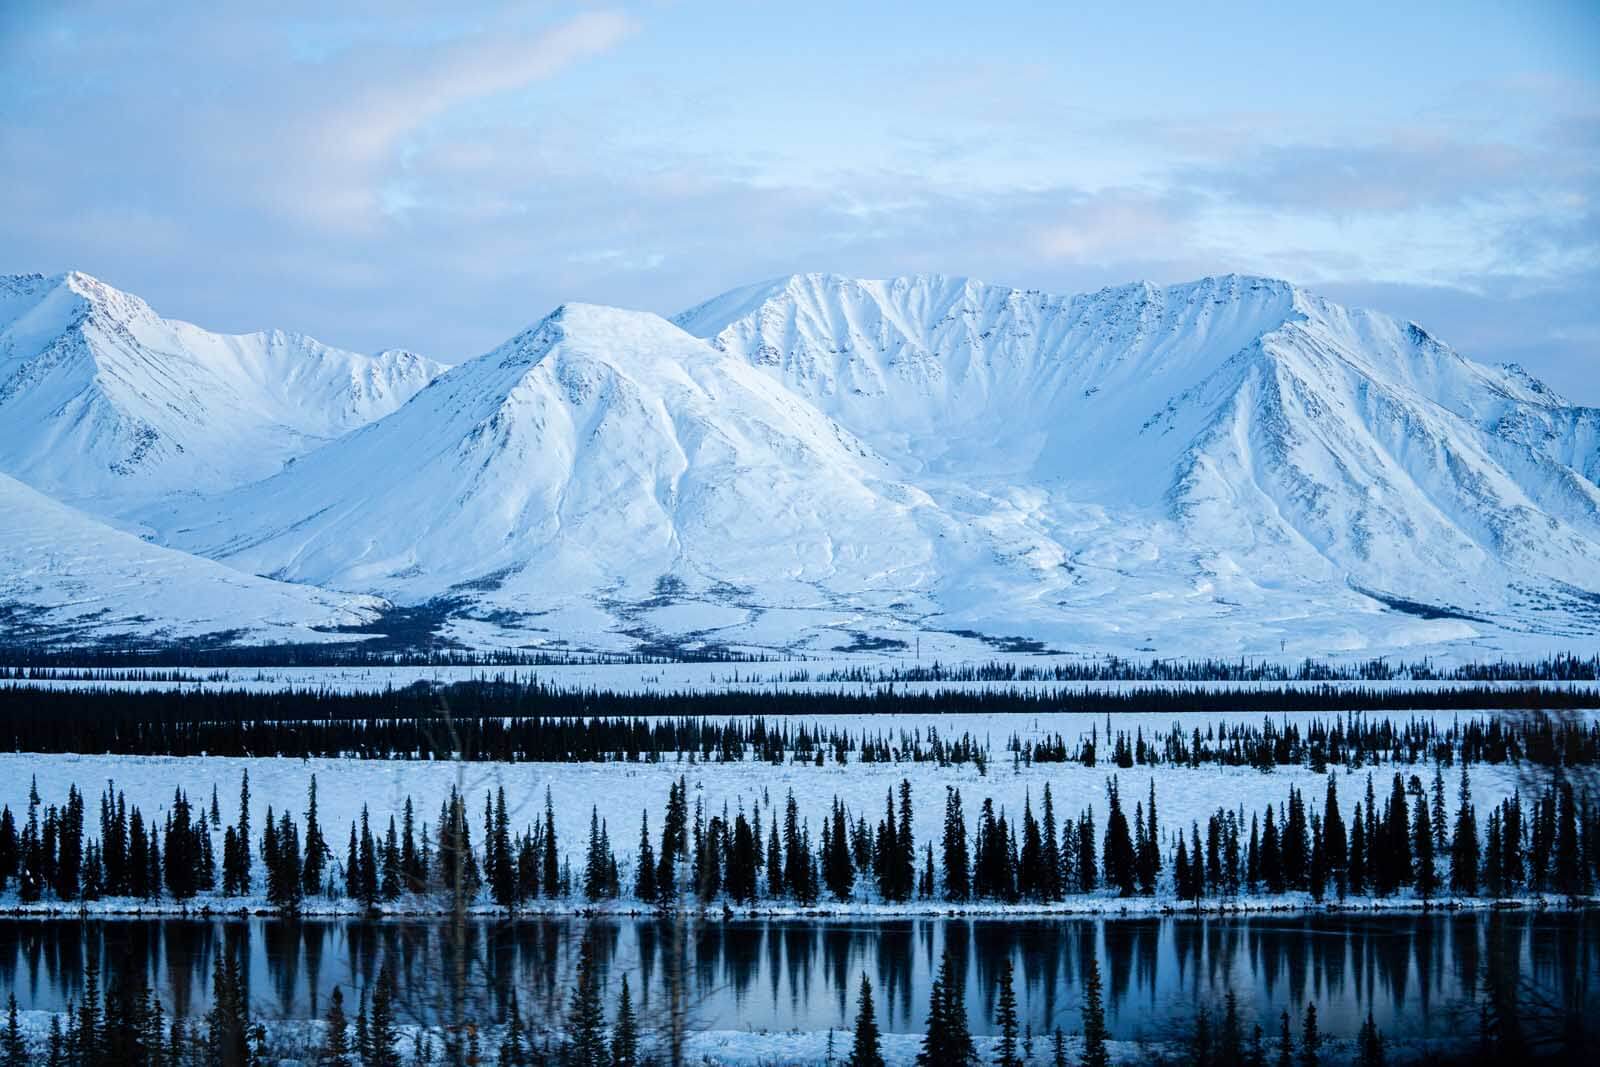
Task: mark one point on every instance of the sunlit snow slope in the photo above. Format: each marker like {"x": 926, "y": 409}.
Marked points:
{"x": 65, "y": 576}
{"x": 106, "y": 404}
{"x": 1228, "y": 466}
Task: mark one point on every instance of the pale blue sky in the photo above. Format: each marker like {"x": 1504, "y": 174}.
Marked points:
{"x": 438, "y": 176}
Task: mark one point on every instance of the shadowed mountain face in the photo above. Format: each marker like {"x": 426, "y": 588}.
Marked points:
{"x": 1228, "y": 466}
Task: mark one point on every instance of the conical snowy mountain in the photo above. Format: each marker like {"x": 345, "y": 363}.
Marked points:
{"x": 68, "y": 578}
{"x": 107, "y": 404}
{"x": 587, "y": 472}
{"x": 1225, "y": 467}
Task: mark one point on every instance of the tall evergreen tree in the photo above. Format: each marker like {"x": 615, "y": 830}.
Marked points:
{"x": 1464, "y": 842}
{"x": 243, "y": 835}
{"x": 1051, "y": 859}
{"x": 866, "y": 1047}
{"x": 502, "y": 865}
{"x": 625, "y": 1035}
{"x": 1005, "y": 1019}
{"x": 1095, "y": 1035}
{"x": 1335, "y": 842}
{"x": 953, "y": 846}
{"x": 644, "y": 886}
{"x": 1311, "y": 1037}
{"x": 1117, "y": 855}
{"x": 586, "y": 1040}
{"x": 335, "y": 1050}
{"x": 948, "y": 1041}
{"x": 551, "y": 862}
{"x": 14, "y": 1049}
{"x": 382, "y": 1033}
{"x": 1427, "y": 872}
{"x": 1369, "y": 1044}
{"x": 317, "y": 852}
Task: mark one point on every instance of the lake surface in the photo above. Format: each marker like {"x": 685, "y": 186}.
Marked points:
{"x": 1422, "y": 976}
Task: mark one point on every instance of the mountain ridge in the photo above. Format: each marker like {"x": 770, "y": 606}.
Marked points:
{"x": 106, "y": 402}
{"x": 1233, "y": 464}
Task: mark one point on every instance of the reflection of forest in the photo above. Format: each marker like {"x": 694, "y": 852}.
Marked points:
{"x": 1421, "y": 975}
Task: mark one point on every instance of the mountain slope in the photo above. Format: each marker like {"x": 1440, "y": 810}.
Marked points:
{"x": 67, "y": 578}
{"x": 1282, "y": 433}
{"x": 602, "y": 457}
{"x": 1232, "y": 466}
{"x": 105, "y": 403}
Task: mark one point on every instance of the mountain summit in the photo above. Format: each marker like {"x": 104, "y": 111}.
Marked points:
{"x": 1227, "y": 466}
{"x": 104, "y": 403}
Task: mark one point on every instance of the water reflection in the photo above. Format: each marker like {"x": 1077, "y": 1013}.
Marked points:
{"x": 1420, "y": 975}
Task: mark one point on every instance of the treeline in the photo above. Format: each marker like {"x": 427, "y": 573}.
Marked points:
{"x": 1548, "y": 843}
{"x": 44, "y": 661}
{"x": 1559, "y": 668}
{"x": 25, "y": 661}
{"x": 531, "y": 722}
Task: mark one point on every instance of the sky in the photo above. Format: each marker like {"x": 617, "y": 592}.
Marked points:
{"x": 436, "y": 177}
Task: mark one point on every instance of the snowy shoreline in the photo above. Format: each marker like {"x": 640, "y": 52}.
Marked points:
{"x": 1109, "y": 907}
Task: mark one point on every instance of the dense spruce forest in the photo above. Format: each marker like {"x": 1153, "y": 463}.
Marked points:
{"x": 523, "y": 721}
{"x": 1416, "y": 842}
{"x": 20, "y": 662}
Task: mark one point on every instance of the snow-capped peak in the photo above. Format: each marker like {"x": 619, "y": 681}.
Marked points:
{"x": 105, "y": 403}
{"x": 1209, "y": 464}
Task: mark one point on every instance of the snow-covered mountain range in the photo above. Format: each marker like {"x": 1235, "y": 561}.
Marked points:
{"x": 1229, "y": 466}
{"x": 104, "y": 402}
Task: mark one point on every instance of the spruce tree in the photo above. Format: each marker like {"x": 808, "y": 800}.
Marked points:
{"x": 1464, "y": 842}
{"x": 1285, "y": 1043}
{"x": 1005, "y": 1018}
{"x": 1335, "y": 842}
{"x": 1369, "y": 1045}
{"x": 336, "y": 1042}
{"x": 1095, "y": 1035}
{"x": 551, "y": 864}
{"x": 625, "y": 1035}
{"x": 1436, "y": 814}
{"x": 948, "y": 1042}
{"x": 243, "y": 835}
{"x": 1357, "y": 876}
{"x": 14, "y": 1048}
{"x": 382, "y": 1033}
{"x": 1051, "y": 858}
{"x": 1568, "y": 879}
{"x": 1310, "y": 1038}
{"x": 644, "y": 886}
{"x": 905, "y": 876}
{"x": 316, "y": 846}
{"x": 1117, "y": 856}
{"x": 839, "y": 873}
{"x": 865, "y": 1049}
{"x": 503, "y": 867}
{"x": 1427, "y": 873}
{"x": 586, "y": 1040}
{"x": 956, "y": 862}
{"x": 1230, "y": 1039}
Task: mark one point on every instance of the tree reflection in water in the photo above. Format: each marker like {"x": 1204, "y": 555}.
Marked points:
{"x": 1422, "y": 975}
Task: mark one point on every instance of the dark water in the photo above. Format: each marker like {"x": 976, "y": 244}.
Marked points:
{"x": 1421, "y": 975}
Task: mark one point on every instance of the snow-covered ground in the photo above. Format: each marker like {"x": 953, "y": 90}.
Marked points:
{"x": 787, "y": 676}
{"x": 622, "y": 792}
